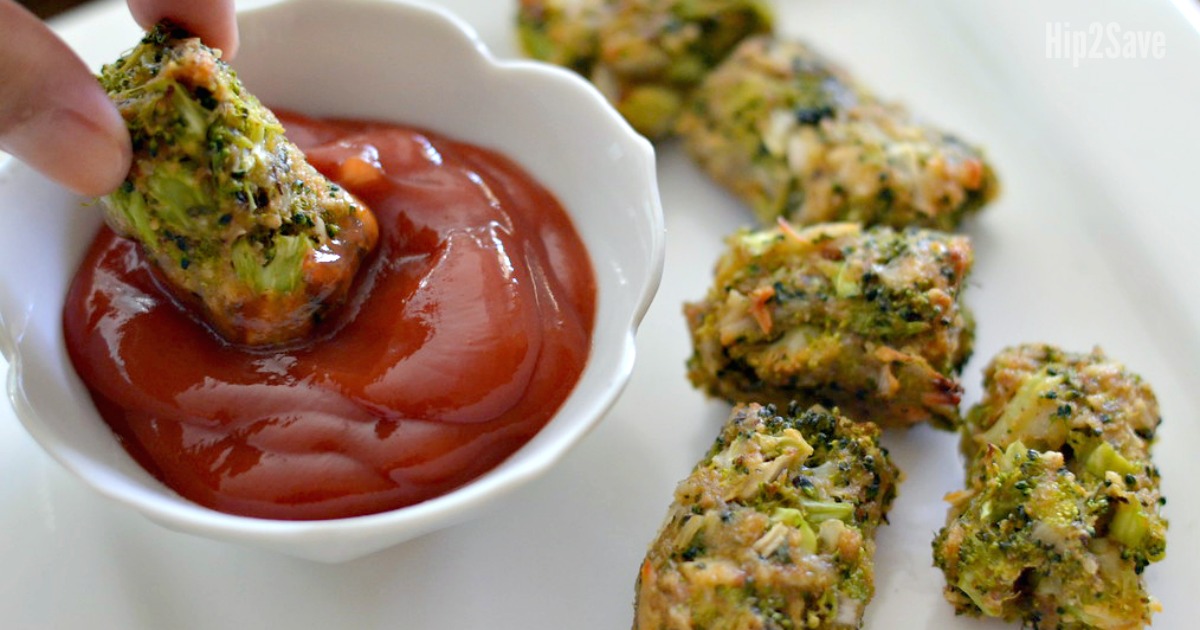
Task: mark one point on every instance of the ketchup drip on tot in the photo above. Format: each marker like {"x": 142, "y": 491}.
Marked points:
{"x": 466, "y": 331}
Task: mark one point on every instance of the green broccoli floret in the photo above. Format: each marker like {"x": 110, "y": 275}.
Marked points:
{"x": 222, "y": 203}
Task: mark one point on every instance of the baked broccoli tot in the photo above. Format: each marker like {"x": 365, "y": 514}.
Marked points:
{"x": 644, "y": 55}
{"x": 866, "y": 320}
{"x": 794, "y": 136}
{"x": 562, "y": 32}
{"x": 228, "y": 210}
{"x": 1061, "y": 511}
{"x": 774, "y": 529}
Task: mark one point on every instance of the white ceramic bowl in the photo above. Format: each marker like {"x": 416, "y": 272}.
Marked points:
{"x": 373, "y": 60}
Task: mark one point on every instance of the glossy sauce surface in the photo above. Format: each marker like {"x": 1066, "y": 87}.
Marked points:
{"x": 467, "y": 329}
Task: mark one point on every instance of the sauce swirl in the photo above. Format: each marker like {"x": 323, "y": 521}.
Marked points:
{"x": 465, "y": 332}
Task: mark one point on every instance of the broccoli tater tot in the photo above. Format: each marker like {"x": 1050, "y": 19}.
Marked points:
{"x": 229, "y": 211}
{"x": 644, "y": 55}
{"x": 793, "y": 135}
{"x": 866, "y": 320}
{"x": 775, "y": 528}
{"x": 561, "y": 32}
{"x": 1061, "y": 511}
{"x": 654, "y": 52}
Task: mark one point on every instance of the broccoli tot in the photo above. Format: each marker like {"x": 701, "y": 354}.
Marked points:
{"x": 1060, "y": 516}
{"x": 228, "y": 210}
{"x": 794, "y": 136}
{"x": 775, "y": 528}
{"x": 561, "y": 32}
{"x": 644, "y": 55}
{"x": 866, "y": 320}
{"x": 654, "y": 52}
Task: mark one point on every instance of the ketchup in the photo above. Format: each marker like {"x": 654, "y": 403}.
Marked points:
{"x": 466, "y": 330}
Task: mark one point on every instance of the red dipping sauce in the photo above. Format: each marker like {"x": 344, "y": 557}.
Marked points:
{"x": 467, "y": 329}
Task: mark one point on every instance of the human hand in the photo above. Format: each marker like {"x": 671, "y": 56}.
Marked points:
{"x": 53, "y": 113}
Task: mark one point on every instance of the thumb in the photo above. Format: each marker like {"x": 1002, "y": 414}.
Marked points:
{"x": 53, "y": 113}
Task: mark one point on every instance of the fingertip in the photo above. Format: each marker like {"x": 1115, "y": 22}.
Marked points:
{"x": 232, "y": 42}
{"x": 110, "y": 151}
{"x": 96, "y": 130}
{"x": 214, "y": 22}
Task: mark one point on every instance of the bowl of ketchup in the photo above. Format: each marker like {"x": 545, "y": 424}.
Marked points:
{"x": 521, "y": 242}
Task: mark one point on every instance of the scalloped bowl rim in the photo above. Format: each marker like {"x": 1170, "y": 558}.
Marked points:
{"x": 608, "y": 369}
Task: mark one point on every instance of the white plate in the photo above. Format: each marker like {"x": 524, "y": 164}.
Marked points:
{"x": 1091, "y": 243}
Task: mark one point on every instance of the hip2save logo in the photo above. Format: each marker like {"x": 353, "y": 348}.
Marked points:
{"x": 1102, "y": 40}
